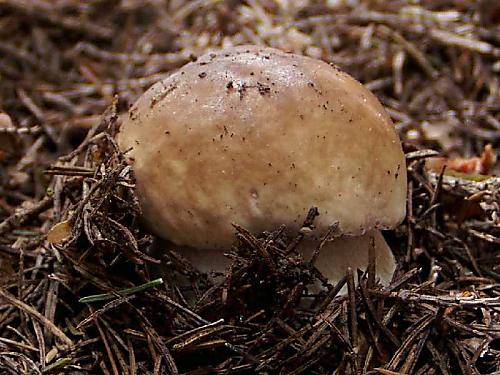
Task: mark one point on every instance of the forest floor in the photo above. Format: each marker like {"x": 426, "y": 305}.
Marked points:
{"x": 76, "y": 291}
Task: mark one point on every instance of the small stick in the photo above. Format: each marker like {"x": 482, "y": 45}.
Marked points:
{"x": 36, "y": 315}
{"x": 19, "y": 218}
{"x": 353, "y": 317}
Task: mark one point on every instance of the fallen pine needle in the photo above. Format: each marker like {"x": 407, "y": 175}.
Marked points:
{"x": 108, "y": 296}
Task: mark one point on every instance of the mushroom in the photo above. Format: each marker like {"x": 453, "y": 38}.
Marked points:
{"x": 256, "y": 136}
{"x": 8, "y": 143}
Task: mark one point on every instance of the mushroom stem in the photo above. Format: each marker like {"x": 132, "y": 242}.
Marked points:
{"x": 332, "y": 261}
{"x": 353, "y": 252}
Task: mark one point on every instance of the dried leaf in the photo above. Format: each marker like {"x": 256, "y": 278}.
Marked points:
{"x": 469, "y": 166}
{"x": 59, "y": 232}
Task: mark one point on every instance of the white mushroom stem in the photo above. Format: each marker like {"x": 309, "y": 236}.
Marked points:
{"x": 334, "y": 259}
{"x": 343, "y": 252}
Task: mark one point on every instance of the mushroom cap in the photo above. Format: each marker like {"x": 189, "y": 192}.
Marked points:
{"x": 256, "y": 136}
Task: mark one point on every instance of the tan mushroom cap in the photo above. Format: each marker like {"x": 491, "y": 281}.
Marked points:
{"x": 255, "y": 136}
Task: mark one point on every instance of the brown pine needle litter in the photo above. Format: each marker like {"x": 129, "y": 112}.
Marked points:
{"x": 89, "y": 299}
